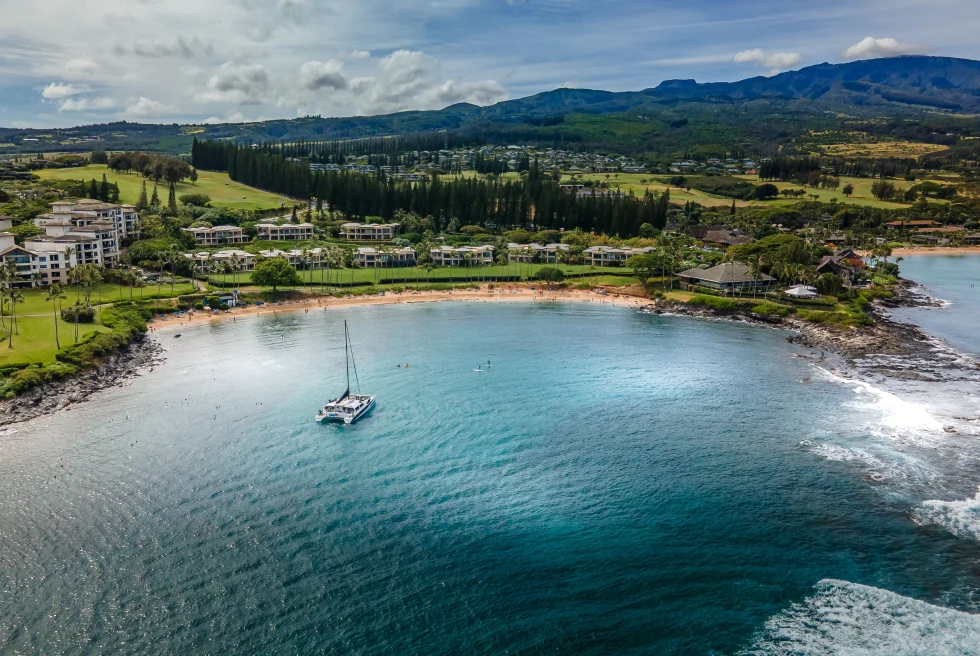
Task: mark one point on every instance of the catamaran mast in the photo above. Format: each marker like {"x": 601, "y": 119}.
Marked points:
{"x": 347, "y": 354}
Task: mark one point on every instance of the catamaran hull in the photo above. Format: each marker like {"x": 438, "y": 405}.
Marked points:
{"x": 343, "y": 418}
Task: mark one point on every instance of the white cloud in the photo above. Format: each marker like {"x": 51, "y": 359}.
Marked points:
{"x": 145, "y": 107}
{"x": 316, "y": 75}
{"x": 86, "y": 104}
{"x": 774, "y": 61}
{"x": 359, "y": 54}
{"x": 871, "y": 48}
{"x": 60, "y": 91}
{"x": 233, "y": 117}
{"x": 81, "y": 66}
{"x": 246, "y": 84}
{"x": 476, "y": 93}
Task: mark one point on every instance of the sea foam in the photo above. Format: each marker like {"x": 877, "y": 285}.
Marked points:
{"x": 961, "y": 518}
{"x": 859, "y": 620}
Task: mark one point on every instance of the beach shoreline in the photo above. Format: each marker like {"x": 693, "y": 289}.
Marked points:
{"x": 936, "y": 250}
{"x": 500, "y": 294}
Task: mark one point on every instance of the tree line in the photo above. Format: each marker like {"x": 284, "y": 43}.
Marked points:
{"x": 152, "y": 166}
{"x": 535, "y": 200}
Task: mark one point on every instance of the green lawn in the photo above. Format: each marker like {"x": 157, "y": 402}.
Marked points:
{"x": 34, "y": 341}
{"x": 223, "y": 192}
{"x": 862, "y": 192}
{"x": 441, "y": 274}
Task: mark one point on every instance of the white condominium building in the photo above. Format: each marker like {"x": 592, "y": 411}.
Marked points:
{"x": 463, "y": 256}
{"x": 369, "y": 231}
{"x": 284, "y": 232}
{"x": 217, "y": 235}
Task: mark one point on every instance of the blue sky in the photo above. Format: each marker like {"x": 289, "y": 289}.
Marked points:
{"x": 68, "y": 62}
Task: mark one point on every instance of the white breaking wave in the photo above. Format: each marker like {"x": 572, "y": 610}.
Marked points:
{"x": 859, "y": 620}
{"x": 961, "y": 518}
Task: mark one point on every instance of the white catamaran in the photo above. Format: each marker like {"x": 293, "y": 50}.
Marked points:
{"x": 348, "y": 408}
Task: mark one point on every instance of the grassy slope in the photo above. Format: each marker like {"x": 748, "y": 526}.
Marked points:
{"x": 223, "y": 192}
{"x": 632, "y": 182}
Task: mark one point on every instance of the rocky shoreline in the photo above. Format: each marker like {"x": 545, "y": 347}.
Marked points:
{"x": 881, "y": 348}
{"x": 114, "y": 370}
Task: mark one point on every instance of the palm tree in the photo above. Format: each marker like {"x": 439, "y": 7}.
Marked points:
{"x": 174, "y": 257}
{"x": 55, "y": 294}
{"x": 75, "y": 277}
{"x": 15, "y": 297}
{"x": 5, "y": 281}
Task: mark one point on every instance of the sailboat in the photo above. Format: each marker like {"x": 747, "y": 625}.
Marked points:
{"x": 348, "y": 407}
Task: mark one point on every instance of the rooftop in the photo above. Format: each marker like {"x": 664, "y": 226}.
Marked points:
{"x": 727, "y": 272}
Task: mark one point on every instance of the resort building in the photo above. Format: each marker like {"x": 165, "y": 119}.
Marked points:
{"x": 6, "y": 223}
{"x": 56, "y": 256}
{"x": 284, "y": 232}
{"x": 123, "y": 218}
{"x": 222, "y": 261}
{"x": 729, "y": 277}
{"x": 26, "y": 262}
{"x": 463, "y": 256}
{"x": 217, "y": 235}
{"x": 609, "y": 256}
{"x": 527, "y": 253}
{"x": 369, "y": 231}
{"x": 298, "y": 258}
{"x": 368, "y": 257}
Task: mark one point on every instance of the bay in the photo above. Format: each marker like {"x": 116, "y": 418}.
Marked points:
{"x": 613, "y": 483}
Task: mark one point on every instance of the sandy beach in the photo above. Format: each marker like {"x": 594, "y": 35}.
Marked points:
{"x": 936, "y": 250}
{"x": 499, "y": 294}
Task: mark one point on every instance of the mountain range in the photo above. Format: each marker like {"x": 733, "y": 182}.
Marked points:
{"x": 927, "y": 97}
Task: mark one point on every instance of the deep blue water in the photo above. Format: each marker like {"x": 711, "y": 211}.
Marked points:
{"x": 951, "y": 278}
{"x": 616, "y": 483}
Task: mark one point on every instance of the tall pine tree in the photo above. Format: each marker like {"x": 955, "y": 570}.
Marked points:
{"x": 155, "y": 200}
{"x": 104, "y": 190}
{"x": 93, "y": 190}
{"x": 143, "y": 203}
{"x": 172, "y": 200}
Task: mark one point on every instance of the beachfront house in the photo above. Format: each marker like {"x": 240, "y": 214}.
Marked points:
{"x": 369, "y": 231}
{"x": 729, "y": 277}
{"x": 285, "y": 232}
{"x": 217, "y": 235}
{"x": 369, "y": 257}
{"x": 463, "y": 256}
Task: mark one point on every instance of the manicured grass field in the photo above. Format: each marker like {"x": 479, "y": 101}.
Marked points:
{"x": 223, "y": 192}
{"x": 633, "y": 182}
{"x": 441, "y": 274}
{"x": 35, "y": 341}
{"x": 862, "y": 192}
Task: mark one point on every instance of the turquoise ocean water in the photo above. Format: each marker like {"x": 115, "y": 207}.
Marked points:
{"x": 615, "y": 483}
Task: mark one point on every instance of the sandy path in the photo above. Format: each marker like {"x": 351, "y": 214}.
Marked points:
{"x": 484, "y": 294}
